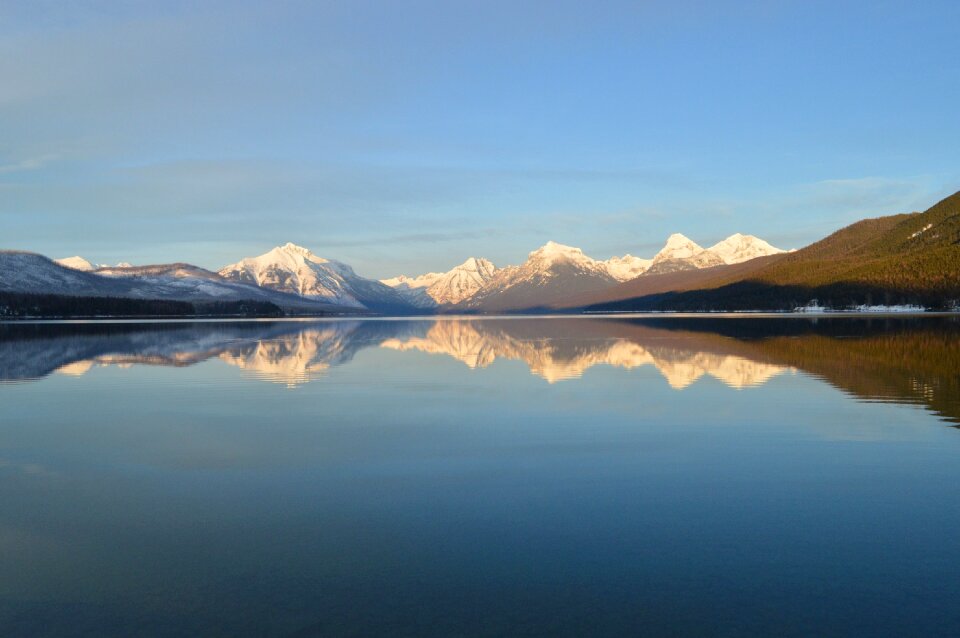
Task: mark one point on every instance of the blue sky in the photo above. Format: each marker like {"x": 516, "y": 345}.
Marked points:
{"x": 406, "y": 136}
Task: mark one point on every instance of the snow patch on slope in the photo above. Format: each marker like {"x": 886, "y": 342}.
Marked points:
{"x": 627, "y": 267}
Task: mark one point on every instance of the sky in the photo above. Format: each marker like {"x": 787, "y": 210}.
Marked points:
{"x": 404, "y": 137}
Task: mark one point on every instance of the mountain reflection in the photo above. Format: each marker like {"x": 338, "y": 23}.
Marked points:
{"x": 479, "y": 343}
{"x": 905, "y": 360}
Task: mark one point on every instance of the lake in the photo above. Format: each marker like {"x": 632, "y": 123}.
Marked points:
{"x": 658, "y": 475}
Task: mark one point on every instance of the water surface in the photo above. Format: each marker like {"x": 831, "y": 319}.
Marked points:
{"x": 551, "y": 476}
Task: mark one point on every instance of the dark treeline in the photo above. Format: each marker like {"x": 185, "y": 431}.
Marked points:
{"x": 758, "y": 295}
{"x": 18, "y": 305}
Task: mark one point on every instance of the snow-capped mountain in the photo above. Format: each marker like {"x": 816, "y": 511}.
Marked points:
{"x": 682, "y": 253}
{"x": 30, "y": 273}
{"x": 549, "y": 273}
{"x": 77, "y": 263}
{"x": 627, "y": 267}
{"x": 452, "y": 287}
{"x": 414, "y": 289}
{"x": 294, "y": 269}
{"x": 739, "y": 248}
{"x": 555, "y": 271}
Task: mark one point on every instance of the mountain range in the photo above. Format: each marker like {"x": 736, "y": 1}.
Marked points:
{"x": 297, "y": 281}
{"x": 555, "y": 272}
{"x": 31, "y": 275}
{"x": 910, "y": 258}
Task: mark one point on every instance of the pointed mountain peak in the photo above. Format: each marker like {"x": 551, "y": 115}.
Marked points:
{"x": 678, "y": 246}
{"x": 291, "y": 247}
{"x": 289, "y": 253}
{"x": 679, "y": 239}
{"x": 477, "y": 264}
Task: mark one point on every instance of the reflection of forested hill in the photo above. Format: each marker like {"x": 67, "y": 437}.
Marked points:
{"x": 897, "y": 359}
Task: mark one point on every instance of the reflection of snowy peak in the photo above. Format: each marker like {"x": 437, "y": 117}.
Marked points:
{"x": 433, "y": 289}
{"x": 293, "y": 354}
{"x": 478, "y": 346}
{"x": 296, "y": 358}
{"x": 294, "y": 269}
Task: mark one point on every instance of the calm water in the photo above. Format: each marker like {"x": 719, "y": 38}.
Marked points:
{"x": 545, "y": 477}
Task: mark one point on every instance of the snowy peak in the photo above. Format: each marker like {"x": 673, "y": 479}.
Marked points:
{"x": 293, "y": 251}
{"x": 553, "y": 252}
{"x": 290, "y": 253}
{"x": 477, "y": 265}
{"x": 420, "y": 281}
{"x": 738, "y": 248}
{"x": 463, "y": 281}
{"x": 295, "y": 269}
{"x": 552, "y": 272}
{"x": 77, "y": 263}
{"x": 293, "y": 248}
{"x": 433, "y": 289}
{"x": 678, "y": 247}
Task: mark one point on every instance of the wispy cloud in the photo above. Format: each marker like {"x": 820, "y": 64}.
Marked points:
{"x": 872, "y": 195}
{"x": 29, "y": 164}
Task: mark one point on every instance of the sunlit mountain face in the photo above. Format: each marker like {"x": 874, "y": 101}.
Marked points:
{"x": 899, "y": 360}
{"x": 307, "y": 352}
{"x": 478, "y": 344}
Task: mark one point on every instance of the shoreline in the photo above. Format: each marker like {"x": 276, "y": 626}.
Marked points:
{"x": 742, "y": 314}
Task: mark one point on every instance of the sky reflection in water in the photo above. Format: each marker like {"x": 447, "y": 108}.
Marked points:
{"x": 480, "y": 477}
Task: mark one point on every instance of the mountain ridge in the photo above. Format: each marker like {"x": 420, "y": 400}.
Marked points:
{"x": 555, "y": 271}
{"x": 906, "y": 259}
{"x": 910, "y": 259}
{"x": 27, "y": 273}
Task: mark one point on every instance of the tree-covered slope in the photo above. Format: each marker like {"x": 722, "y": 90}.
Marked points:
{"x": 910, "y": 258}
{"x": 918, "y": 252}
